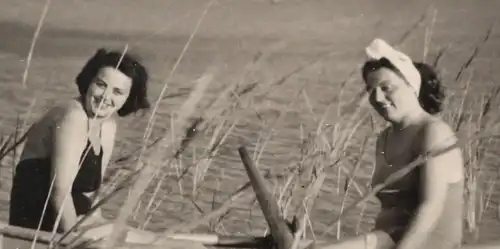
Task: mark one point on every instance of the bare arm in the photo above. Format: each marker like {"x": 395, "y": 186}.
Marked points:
{"x": 435, "y": 181}
{"x": 68, "y": 146}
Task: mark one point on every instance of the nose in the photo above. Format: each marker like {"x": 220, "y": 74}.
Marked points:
{"x": 379, "y": 95}
{"x": 107, "y": 97}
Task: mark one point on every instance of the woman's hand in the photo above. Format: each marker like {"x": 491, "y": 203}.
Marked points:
{"x": 97, "y": 232}
{"x": 93, "y": 220}
{"x": 95, "y": 227}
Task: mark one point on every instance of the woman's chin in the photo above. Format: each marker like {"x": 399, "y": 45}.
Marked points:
{"x": 383, "y": 114}
{"x": 386, "y": 116}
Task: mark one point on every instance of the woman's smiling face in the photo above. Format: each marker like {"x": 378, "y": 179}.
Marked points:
{"x": 112, "y": 88}
{"x": 390, "y": 95}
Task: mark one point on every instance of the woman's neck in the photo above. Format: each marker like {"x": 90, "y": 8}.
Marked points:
{"x": 95, "y": 121}
{"x": 409, "y": 120}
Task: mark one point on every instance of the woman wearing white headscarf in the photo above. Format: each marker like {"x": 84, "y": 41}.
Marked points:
{"x": 424, "y": 208}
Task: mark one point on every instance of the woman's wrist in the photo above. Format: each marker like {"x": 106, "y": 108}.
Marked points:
{"x": 88, "y": 221}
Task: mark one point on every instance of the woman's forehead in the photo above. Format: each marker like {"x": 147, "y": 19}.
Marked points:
{"x": 384, "y": 74}
{"x": 381, "y": 73}
{"x": 112, "y": 74}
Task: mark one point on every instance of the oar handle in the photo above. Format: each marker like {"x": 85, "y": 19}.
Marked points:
{"x": 224, "y": 240}
{"x": 280, "y": 231}
{"x": 235, "y": 241}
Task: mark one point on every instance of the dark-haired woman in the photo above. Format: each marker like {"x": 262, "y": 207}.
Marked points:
{"x": 424, "y": 208}
{"x": 69, "y": 148}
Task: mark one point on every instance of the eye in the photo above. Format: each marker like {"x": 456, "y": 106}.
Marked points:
{"x": 368, "y": 89}
{"x": 117, "y": 91}
{"x": 100, "y": 83}
{"x": 386, "y": 86}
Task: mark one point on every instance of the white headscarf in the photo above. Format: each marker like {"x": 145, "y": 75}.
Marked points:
{"x": 379, "y": 49}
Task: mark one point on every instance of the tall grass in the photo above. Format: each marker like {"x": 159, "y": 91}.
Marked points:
{"x": 336, "y": 148}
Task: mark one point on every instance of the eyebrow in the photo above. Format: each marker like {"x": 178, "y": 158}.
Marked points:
{"x": 383, "y": 82}
{"x": 99, "y": 78}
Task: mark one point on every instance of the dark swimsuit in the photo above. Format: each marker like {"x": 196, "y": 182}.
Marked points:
{"x": 400, "y": 202}
{"x": 31, "y": 185}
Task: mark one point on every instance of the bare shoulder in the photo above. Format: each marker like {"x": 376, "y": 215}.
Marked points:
{"x": 437, "y": 134}
{"x": 70, "y": 115}
{"x": 69, "y": 132}
{"x": 68, "y": 108}
{"x": 69, "y": 111}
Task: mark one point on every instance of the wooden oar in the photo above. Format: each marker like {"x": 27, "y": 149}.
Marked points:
{"x": 280, "y": 232}
{"x": 237, "y": 241}
{"x": 10, "y": 236}
{"x": 224, "y": 240}
{"x": 28, "y": 235}
{"x": 13, "y": 237}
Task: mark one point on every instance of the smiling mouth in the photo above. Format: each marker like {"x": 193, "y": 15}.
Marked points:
{"x": 383, "y": 109}
{"x": 102, "y": 105}
{"x": 383, "y": 106}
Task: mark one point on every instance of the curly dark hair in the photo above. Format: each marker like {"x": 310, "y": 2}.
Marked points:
{"x": 129, "y": 66}
{"x": 432, "y": 92}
